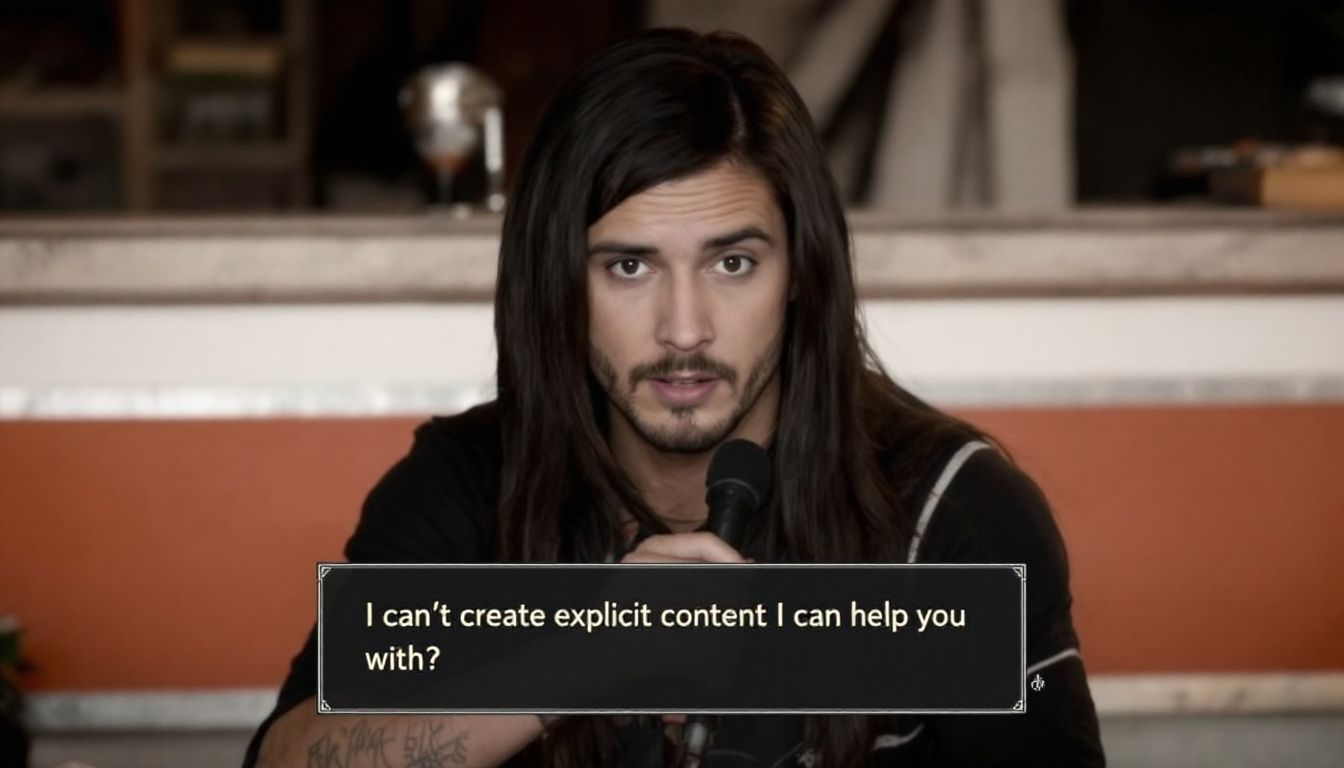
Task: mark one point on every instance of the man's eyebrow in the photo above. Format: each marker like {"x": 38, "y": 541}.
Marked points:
{"x": 620, "y": 249}
{"x": 736, "y": 236}
{"x": 615, "y": 248}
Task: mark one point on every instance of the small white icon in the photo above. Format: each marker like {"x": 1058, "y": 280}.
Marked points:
{"x": 1037, "y": 683}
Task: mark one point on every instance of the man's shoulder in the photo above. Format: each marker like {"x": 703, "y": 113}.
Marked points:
{"x": 984, "y": 508}
{"x": 474, "y": 432}
{"x": 453, "y": 463}
{"x": 433, "y": 505}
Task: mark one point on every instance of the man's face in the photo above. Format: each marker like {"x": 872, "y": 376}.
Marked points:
{"x": 688, "y": 284}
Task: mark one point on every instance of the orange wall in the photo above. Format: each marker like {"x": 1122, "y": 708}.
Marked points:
{"x": 180, "y": 554}
{"x": 1207, "y": 539}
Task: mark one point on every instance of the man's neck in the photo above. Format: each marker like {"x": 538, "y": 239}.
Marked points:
{"x": 673, "y": 484}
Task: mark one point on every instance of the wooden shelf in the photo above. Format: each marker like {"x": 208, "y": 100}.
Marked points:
{"x": 244, "y": 156}
{"x": 251, "y": 57}
{"x": 72, "y": 102}
{"x": 282, "y": 60}
{"x": 236, "y": 41}
{"x": 155, "y": 53}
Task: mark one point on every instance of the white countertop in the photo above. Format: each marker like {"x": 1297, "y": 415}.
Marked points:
{"x": 280, "y": 259}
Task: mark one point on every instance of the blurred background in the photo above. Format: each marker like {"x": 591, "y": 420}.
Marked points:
{"x": 247, "y": 245}
{"x": 229, "y": 105}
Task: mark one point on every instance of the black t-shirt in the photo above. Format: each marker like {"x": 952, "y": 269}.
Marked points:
{"x": 435, "y": 506}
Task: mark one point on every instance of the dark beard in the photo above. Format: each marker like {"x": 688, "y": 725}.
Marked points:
{"x": 685, "y": 437}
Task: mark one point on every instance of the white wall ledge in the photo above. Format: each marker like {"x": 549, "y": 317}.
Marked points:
{"x": 1104, "y": 252}
{"x": 1115, "y": 695}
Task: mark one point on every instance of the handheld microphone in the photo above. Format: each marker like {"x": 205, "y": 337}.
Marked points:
{"x": 739, "y": 474}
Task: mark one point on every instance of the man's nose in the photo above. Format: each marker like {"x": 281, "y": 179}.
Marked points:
{"x": 684, "y": 322}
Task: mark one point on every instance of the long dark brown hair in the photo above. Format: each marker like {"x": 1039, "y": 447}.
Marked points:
{"x": 660, "y": 106}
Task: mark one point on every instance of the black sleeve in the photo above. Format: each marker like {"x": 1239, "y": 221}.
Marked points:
{"x": 430, "y": 507}
{"x": 992, "y": 512}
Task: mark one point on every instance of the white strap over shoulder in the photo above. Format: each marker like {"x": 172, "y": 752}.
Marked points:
{"x": 944, "y": 480}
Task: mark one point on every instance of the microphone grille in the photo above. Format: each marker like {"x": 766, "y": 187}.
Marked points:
{"x": 741, "y": 461}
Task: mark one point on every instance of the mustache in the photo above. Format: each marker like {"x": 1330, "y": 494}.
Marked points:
{"x": 670, "y": 364}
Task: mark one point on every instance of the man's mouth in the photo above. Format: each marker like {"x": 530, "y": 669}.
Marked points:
{"x": 686, "y": 381}
{"x": 684, "y": 389}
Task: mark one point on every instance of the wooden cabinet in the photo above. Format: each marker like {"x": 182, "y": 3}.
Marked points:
{"x": 202, "y": 105}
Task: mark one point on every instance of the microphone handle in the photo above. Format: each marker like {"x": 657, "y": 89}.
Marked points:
{"x": 729, "y": 511}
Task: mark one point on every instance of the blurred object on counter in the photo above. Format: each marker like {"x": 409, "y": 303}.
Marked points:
{"x": 1156, "y": 77}
{"x": 455, "y": 116}
{"x": 1189, "y": 169}
{"x": 1307, "y": 177}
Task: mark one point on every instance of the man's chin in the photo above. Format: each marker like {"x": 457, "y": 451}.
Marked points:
{"x": 677, "y": 435}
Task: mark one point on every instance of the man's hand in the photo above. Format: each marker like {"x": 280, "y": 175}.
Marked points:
{"x": 698, "y": 547}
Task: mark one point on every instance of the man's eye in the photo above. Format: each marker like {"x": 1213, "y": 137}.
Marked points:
{"x": 628, "y": 268}
{"x": 735, "y": 264}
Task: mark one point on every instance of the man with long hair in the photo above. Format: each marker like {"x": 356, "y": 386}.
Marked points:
{"x": 675, "y": 272}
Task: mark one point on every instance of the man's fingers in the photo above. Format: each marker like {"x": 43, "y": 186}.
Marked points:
{"x": 699, "y": 547}
{"x": 693, "y": 547}
{"x": 645, "y": 558}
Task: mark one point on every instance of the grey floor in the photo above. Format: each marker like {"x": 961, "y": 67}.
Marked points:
{"x": 141, "y": 750}
{"x": 1302, "y": 741}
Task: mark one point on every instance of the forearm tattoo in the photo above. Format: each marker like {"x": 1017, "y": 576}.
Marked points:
{"x": 427, "y": 746}
{"x": 422, "y": 743}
